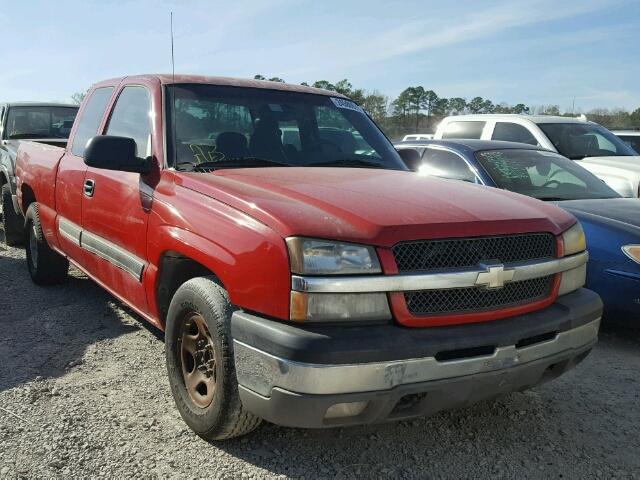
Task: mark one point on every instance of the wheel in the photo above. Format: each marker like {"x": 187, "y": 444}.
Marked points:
{"x": 46, "y": 266}
{"x": 200, "y": 363}
{"x": 12, "y": 223}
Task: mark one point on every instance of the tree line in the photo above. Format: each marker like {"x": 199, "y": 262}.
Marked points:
{"x": 418, "y": 110}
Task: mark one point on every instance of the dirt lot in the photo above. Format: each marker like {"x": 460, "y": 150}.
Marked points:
{"x": 83, "y": 392}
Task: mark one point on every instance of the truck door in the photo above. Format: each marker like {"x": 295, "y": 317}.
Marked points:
{"x": 115, "y": 205}
{"x": 71, "y": 172}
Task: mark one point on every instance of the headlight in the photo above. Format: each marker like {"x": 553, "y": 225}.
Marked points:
{"x": 322, "y": 257}
{"x": 572, "y": 280}
{"x": 339, "y": 307}
{"x": 632, "y": 251}
{"x": 573, "y": 240}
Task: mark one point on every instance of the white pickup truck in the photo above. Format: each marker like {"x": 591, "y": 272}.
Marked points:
{"x": 595, "y": 147}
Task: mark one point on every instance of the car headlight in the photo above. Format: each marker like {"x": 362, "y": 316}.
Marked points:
{"x": 309, "y": 256}
{"x": 632, "y": 251}
{"x": 573, "y": 240}
{"x": 339, "y": 307}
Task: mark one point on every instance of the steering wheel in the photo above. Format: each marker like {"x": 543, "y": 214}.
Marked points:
{"x": 551, "y": 182}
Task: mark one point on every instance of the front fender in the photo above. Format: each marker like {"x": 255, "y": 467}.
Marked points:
{"x": 248, "y": 258}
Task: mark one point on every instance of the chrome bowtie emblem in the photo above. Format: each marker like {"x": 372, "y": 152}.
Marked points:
{"x": 495, "y": 276}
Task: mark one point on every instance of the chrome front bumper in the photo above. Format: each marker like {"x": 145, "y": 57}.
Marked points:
{"x": 261, "y": 372}
{"x": 323, "y": 376}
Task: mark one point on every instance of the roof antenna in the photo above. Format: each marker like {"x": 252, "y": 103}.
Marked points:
{"x": 173, "y": 101}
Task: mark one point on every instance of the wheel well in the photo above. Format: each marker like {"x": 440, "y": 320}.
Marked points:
{"x": 174, "y": 270}
{"x": 28, "y": 197}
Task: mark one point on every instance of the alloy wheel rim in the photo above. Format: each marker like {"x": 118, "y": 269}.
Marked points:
{"x": 198, "y": 360}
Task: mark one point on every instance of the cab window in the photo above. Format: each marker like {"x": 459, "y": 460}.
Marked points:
{"x": 89, "y": 120}
{"x": 131, "y": 118}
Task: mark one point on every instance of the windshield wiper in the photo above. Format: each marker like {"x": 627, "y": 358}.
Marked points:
{"x": 348, "y": 162}
{"x": 244, "y": 162}
{"x": 553, "y": 199}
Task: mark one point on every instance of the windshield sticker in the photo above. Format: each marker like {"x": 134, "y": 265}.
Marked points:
{"x": 347, "y": 104}
{"x": 274, "y": 107}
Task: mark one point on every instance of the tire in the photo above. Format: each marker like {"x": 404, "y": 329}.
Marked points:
{"x": 46, "y": 266}
{"x": 213, "y": 409}
{"x": 12, "y": 223}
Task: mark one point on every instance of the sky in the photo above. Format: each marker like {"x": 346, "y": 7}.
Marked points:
{"x": 537, "y": 52}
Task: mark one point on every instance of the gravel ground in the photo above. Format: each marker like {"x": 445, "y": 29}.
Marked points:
{"x": 83, "y": 392}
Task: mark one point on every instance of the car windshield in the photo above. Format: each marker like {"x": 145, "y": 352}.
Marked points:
{"x": 229, "y": 127}
{"x": 543, "y": 175}
{"x": 579, "y": 140}
{"x": 40, "y": 122}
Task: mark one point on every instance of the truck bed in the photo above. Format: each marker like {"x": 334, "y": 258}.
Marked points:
{"x": 37, "y": 165}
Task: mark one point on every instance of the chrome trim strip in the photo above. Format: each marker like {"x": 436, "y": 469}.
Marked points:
{"x": 430, "y": 281}
{"x": 104, "y": 249}
{"x": 113, "y": 254}
{"x": 70, "y": 231}
{"x": 261, "y": 372}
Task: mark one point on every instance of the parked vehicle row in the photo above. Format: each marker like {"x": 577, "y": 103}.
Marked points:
{"x": 593, "y": 146}
{"x": 301, "y": 273}
{"x": 611, "y": 223}
{"x": 46, "y": 123}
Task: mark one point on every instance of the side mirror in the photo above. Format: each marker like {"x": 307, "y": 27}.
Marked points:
{"x": 115, "y": 153}
{"x": 410, "y": 157}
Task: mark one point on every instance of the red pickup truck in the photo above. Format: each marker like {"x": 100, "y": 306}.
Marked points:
{"x": 300, "y": 273}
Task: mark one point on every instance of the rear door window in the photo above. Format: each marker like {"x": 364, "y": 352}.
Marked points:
{"x": 89, "y": 120}
{"x": 446, "y": 164}
{"x": 460, "y": 129}
{"x": 512, "y": 132}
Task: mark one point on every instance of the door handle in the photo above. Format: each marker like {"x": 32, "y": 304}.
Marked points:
{"x": 89, "y": 187}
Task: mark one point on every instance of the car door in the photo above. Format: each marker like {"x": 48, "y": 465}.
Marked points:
{"x": 71, "y": 174}
{"x": 116, "y": 204}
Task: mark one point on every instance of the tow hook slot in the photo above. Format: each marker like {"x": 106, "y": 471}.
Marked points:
{"x": 544, "y": 337}
{"x": 463, "y": 353}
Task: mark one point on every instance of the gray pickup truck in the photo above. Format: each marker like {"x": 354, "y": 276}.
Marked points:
{"x": 46, "y": 123}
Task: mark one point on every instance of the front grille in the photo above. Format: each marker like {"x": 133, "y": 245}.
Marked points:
{"x": 474, "y": 299}
{"x": 469, "y": 252}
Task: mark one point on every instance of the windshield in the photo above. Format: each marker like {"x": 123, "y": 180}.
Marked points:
{"x": 231, "y": 127}
{"x": 40, "y": 122}
{"x": 543, "y": 175}
{"x": 580, "y": 140}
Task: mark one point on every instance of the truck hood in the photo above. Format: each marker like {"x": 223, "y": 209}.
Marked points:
{"x": 377, "y": 207}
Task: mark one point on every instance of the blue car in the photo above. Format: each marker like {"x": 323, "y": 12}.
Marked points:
{"x": 611, "y": 223}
